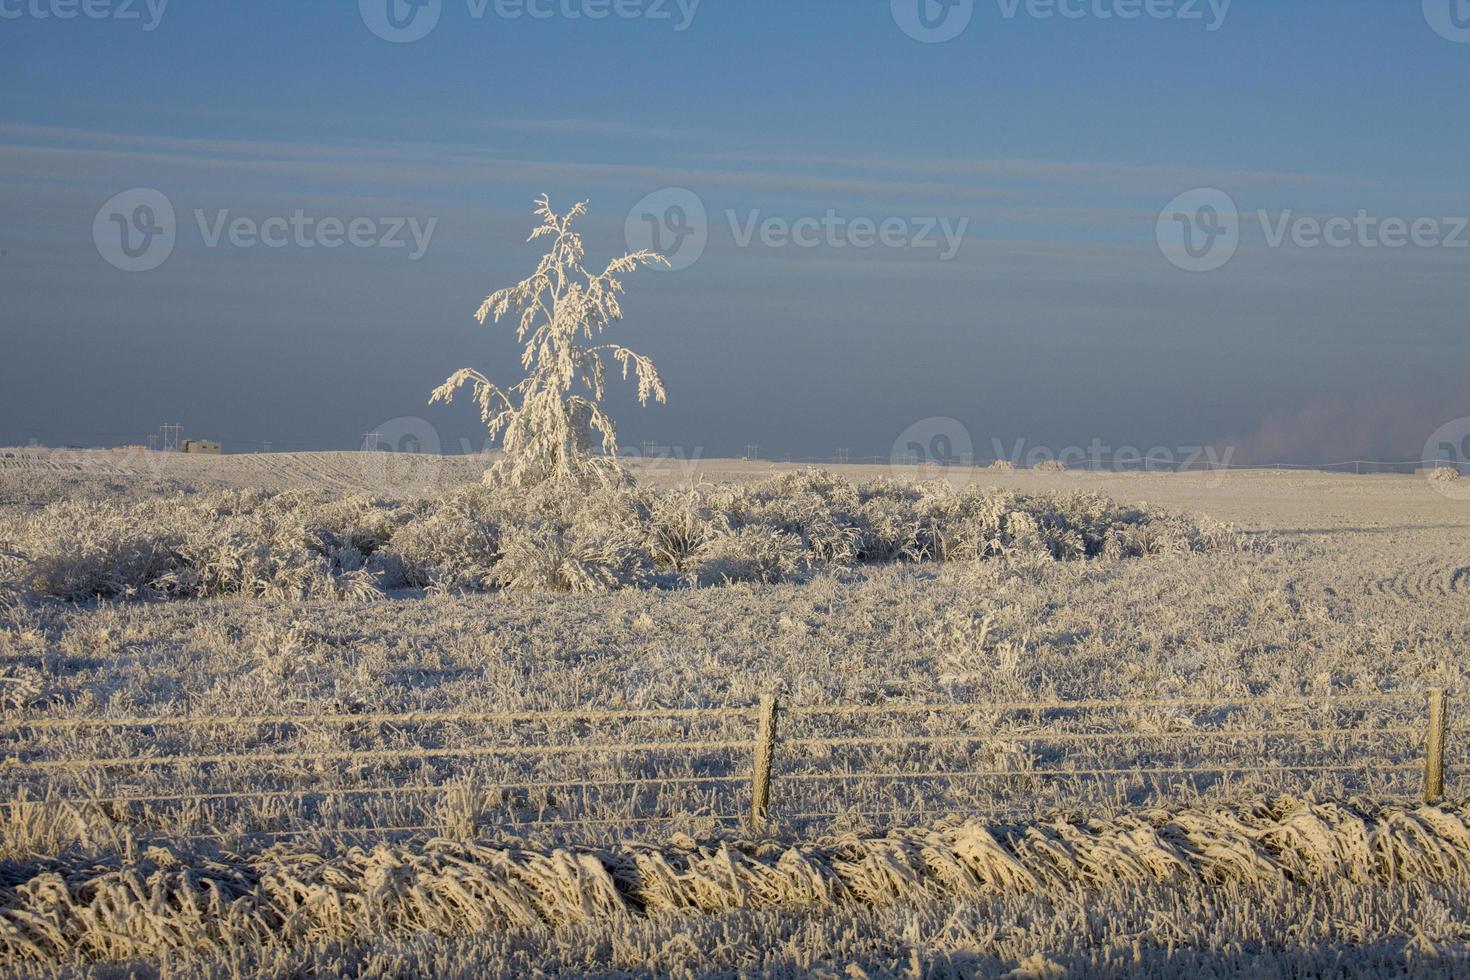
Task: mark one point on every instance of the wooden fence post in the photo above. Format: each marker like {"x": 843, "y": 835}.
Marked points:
{"x": 1434, "y": 748}
{"x": 765, "y": 753}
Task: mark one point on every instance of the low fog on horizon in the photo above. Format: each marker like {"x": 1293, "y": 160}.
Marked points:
{"x": 980, "y": 232}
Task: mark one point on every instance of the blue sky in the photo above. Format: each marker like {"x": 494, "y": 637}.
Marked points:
{"x": 1055, "y": 142}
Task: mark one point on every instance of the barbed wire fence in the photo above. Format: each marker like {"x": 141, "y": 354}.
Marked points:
{"x": 767, "y": 768}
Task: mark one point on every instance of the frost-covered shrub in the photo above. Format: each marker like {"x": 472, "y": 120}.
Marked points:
{"x": 451, "y": 541}
{"x": 1167, "y": 534}
{"x": 275, "y": 546}
{"x": 888, "y": 530}
{"x": 365, "y": 523}
{"x": 495, "y": 536}
{"x": 822, "y": 511}
{"x": 254, "y": 544}
{"x": 81, "y": 549}
{"x": 560, "y": 537}
{"x": 679, "y": 524}
{"x": 557, "y": 557}
{"x": 750, "y": 554}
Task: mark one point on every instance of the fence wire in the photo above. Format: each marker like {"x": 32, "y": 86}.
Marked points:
{"x": 578, "y": 773}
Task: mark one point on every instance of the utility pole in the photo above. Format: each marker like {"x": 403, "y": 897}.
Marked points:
{"x": 370, "y": 441}
{"x": 152, "y": 441}
{"x": 752, "y": 451}
{"x": 171, "y": 432}
{"x": 266, "y": 446}
{"x": 843, "y": 455}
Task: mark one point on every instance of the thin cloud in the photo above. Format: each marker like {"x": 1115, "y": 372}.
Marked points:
{"x": 591, "y": 127}
{"x": 1113, "y": 174}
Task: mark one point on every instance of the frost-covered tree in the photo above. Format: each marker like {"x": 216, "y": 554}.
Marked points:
{"x": 546, "y": 427}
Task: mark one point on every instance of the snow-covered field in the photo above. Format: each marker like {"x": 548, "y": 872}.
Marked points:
{"x": 1304, "y": 639}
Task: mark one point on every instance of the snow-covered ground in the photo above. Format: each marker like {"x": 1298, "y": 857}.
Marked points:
{"x": 1363, "y": 590}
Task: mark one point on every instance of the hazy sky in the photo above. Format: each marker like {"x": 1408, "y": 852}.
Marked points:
{"x": 1046, "y": 146}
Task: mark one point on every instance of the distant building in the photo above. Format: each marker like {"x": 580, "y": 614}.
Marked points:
{"x": 202, "y": 446}
{"x": 130, "y": 449}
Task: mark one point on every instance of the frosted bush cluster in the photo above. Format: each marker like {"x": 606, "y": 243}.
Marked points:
{"x": 556, "y": 537}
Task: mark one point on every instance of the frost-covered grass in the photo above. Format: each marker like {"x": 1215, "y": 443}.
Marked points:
{"x": 181, "y": 906}
{"x": 479, "y": 537}
{"x": 1120, "y": 932}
